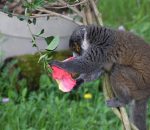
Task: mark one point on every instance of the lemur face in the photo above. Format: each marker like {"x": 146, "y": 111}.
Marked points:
{"x": 78, "y": 40}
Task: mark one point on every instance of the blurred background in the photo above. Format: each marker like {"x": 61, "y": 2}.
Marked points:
{"x": 29, "y": 97}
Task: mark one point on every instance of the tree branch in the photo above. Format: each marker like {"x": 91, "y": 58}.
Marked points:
{"x": 51, "y": 13}
{"x": 68, "y": 5}
{"x": 88, "y": 14}
{"x": 96, "y": 12}
{"x": 72, "y": 8}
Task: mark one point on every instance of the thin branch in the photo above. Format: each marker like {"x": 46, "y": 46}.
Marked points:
{"x": 72, "y": 8}
{"x": 88, "y": 14}
{"x": 68, "y": 5}
{"x": 120, "y": 112}
{"x": 51, "y": 13}
{"x": 48, "y": 13}
{"x": 125, "y": 118}
{"x": 96, "y": 12}
{"x": 84, "y": 17}
{"x": 33, "y": 39}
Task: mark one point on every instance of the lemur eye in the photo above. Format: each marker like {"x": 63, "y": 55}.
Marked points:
{"x": 77, "y": 47}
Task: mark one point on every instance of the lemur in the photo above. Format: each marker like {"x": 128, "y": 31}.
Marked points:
{"x": 123, "y": 55}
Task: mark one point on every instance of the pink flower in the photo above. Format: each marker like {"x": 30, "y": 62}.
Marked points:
{"x": 63, "y": 78}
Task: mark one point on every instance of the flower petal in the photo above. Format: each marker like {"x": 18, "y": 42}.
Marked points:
{"x": 63, "y": 78}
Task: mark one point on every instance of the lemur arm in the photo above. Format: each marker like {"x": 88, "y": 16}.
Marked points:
{"x": 88, "y": 77}
{"x": 77, "y": 65}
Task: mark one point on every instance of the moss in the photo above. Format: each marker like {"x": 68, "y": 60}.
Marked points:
{"x": 31, "y": 69}
{"x": 61, "y": 55}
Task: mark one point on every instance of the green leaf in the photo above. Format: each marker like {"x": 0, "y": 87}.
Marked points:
{"x": 34, "y": 45}
{"x": 21, "y": 17}
{"x": 42, "y": 31}
{"x": 52, "y": 42}
{"x": 24, "y": 92}
{"x": 49, "y": 39}
{"x": 5, "y": 9}
{"x": 33, "y": 42}
{"x": 29, "y": 21}
{"x": 34, "y": 21}
{"x": 10, "y": 15}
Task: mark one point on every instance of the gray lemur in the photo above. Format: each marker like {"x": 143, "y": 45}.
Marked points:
{"x": 123, "y": 55}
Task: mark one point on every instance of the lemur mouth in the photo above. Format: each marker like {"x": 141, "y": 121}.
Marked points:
{"x": 74, "y": 75}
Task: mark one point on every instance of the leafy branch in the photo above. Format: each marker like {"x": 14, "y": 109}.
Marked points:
{"x": 52, "y": 42}
{"x": 42, "y": 8}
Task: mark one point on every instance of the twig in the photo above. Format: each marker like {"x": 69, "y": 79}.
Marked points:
{"x": 32, "y": 35}
{"x": 33, "y": 39}
{"x": 84, "y": 17}
{"x": 96, "y": 12}
{"x": 121, "y": 112}
{"x": 72, "y": 8}
{"x": 88, "y": 14}
{"x": 125, "y": 118}
{"x": 68, "y": 5}
{"x": 51, "y": 13}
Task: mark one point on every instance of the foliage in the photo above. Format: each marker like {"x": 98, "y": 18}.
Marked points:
{"x": 52, "y": 44}
{"x": 31, "y": 5}
{"x": 40, "y": 3}
{"x": 133, "y": 15}
{"x": 48, "y": 108}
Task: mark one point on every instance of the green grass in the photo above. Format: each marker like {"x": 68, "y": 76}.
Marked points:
{"x": 132, "y": 14}
{"x": 50, "y": 109}
{"x": 53, "y": 113}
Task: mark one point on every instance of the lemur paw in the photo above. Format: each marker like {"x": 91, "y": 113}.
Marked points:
{"x": 114, "y": 103}
{"x": 78, "y": 83}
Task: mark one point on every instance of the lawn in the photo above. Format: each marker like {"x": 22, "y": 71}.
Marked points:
{"x": 50, "y": 109}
